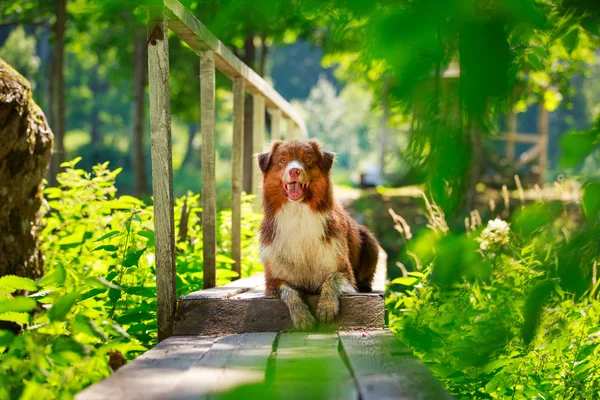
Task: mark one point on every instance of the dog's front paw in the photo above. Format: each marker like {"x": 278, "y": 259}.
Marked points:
{"x": 303, "y": 320}
{"x": 328, "y": 309}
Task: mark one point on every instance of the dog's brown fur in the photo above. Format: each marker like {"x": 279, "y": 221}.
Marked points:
{"x": 318, "y": 223}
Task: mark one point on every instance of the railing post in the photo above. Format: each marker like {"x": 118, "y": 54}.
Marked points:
{"x": 293, "y": 131}
{"x": 512, "y": 134}
{"x": 258, "y": 130}
{"x": 543, "y": 132}
{"x": 276, "y": 132}
{"x": 236, "y": 173}
{"x": 162, "y": 169}
{"x": 209, "y": 186}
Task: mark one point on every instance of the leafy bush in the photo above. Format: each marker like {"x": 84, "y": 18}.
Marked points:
{"x": 509, "y": 310}
{"x": 97, "y": 300}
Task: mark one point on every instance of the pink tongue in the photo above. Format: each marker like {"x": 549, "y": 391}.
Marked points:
{"x": 294, "y": 191}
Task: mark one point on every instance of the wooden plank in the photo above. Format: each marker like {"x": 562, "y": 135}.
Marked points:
{"x": 162, "y": 171}
{"x": 517, "y": 137}
{"x": 183, "y": 23}
{"x": 308, "y": 366}
{"x": 154, "y": 374}
{"x": 209, "y": 177}
{"x": 386, "y": 369}
{"x": 237, "y": 154}
{"x": 227, "y": 291}
{"x": 276, "y": 132}
{"x": 248, "y": 314}
{"x": 232, "y": 362}
{"x": 258, "y": 132}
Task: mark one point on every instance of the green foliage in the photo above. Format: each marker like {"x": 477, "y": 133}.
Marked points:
{"x": 99, "y": 292}
{"x": 515, "y": 317}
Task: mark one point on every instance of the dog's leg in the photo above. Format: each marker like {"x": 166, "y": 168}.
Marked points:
{"x": 329, "y": 303}
{"x": 299, "y": 311}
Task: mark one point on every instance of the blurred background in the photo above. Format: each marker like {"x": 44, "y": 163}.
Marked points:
{"x": 374, "y": 81}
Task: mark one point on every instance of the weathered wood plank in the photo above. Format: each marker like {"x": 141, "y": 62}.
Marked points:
{"x": 227, "y": 291}
{"x": 276, "y": 132}
{"x": 154, "y": 374}
{"x": 209, "y": 177}
{"x": 258, "y": 137}
{"x": 308, "y": 366}
{"x": 199, "y": 38}
{"x": 264, "y": 314}
{"x": 233, "y": 361}
{"x": 386, "y": 369}
{"x": 517, "y": 137}
{"x": 237, "y": 153}
{"x": 162, "y": 171}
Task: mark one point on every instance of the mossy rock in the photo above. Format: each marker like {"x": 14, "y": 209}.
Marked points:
{"x": 24, "y": 158}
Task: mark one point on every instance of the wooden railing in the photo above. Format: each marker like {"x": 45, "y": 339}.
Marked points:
{"x": 213, "y": 56}
{"x": 540, "y": 141}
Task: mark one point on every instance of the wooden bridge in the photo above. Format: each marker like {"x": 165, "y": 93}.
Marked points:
{"x": 232, "y": 341}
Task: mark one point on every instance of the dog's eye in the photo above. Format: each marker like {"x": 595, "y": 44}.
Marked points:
{"x": 306, "y": 159}
{"x": 282, "y": 161}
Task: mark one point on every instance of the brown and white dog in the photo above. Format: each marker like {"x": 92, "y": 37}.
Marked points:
{"x": 309, "y": 244}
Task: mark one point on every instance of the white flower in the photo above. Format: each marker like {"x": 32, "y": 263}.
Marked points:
{"x": 495, "y": 235}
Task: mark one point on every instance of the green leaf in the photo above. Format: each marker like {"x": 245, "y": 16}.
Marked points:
{"x": 535, "y": 62}
{"x": 141, "y": 291}
{"x": 93, "y": 293}
{"x": 56, "y": 277}
{"x": 406, "y": 281}
{"x": 61, "y": 308}
{"x": 109, "y": 235}
{"x": 6, "y": 338}
{"x": 224, "y": 259}
{"x": 571, "y": 40}
{"x": 108, "y": 247}
{"x": 132, "y": 200}
{"x": 83, "y": 324}
{"x": 533, "y": 309}
{"x": 591, "y": 200}
{"x": 11, "y": 283}
{"x": 133, "y": 258}
{"x": 576, "y": 146}
{"x": 18, "y": 317}
{"x": 18, "y": 304}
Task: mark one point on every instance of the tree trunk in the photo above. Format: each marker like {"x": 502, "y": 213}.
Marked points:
{"x": 249, "y": 59}
{"x": 24, "y": 157}
{"x": 58, "y": 76}
{"x": 139, "y": 95}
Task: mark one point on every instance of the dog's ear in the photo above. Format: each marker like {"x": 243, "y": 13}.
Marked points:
{"x": 325, "y": 157}
{"x": 264, "y": 159}
{"x": 327, "y": 161}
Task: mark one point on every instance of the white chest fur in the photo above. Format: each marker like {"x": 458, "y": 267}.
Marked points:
{"x": 299, "y": 254}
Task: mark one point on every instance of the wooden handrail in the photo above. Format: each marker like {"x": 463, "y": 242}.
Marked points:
{"x": 213, "y": 56}
{"x": 185, "y": 25}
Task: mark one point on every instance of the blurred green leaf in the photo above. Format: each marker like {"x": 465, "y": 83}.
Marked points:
{"x": 18, "y": 304}
{"x": 591, "y": 200}
{"x": 11, "y": 283}
{"x": 61, "y": 308}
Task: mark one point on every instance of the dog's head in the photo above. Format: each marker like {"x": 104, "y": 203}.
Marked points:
{"x": 296, "y": 171}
